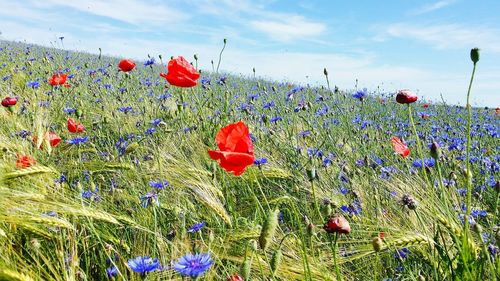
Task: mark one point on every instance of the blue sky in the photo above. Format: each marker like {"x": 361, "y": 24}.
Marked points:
{"x": 420, "y": 45}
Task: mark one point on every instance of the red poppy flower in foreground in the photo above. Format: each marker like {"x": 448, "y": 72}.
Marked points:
{"x": 58, "y": 79}
{"x": 337, "y": 224}
{"x": 53, "y": 139}
{"x": 24, "y": 161}
{"x": 236, "y": 148}
{"x": 406, "y": 96}
{"x": 400, "y": 147}
{"x": 74, "y": 127}
{"x": 126, "y": 65}
{"x": 181, "y": 73}
{"x": 9, "y": 101}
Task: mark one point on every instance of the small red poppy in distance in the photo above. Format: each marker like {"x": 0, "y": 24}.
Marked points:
{"x": 406, "y": 96}
{"x": 58, "y": 79}
{"x": 74, "y": 127}
{"x": 24, "y": 161}
{"x": 426, "y": 105}
{"x": 9, "y": 101}
{"x": 337, "y": 224}
{"x": 236, "y": 148}
{"x": 181, "y": 73}
{"x": 53, "y": 139}
{"x": 126, "y": 65}
{"x": 400, "y": 147}
{"x": 235, "y": 277}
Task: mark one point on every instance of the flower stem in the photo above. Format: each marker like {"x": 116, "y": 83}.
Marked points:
{"x": 468, "y": 173}
{"x": 333, "y": 245}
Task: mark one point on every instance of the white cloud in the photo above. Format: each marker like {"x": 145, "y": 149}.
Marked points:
{"x": 448, "y": 36}
{"x": 135, "y": 12}
{"x": 427, "y": 8}
{"x": 288, "y": 28}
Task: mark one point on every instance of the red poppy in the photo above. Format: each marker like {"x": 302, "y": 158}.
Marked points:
{"x": 235, "y": 277}
{"x": 67, "y": 85}
{"x": 58, "y": 79}
{"x": 236, "y": 148}
{"x": 126, "y": 65}
{"x": 406, "y": 96}
{"x": 426, "y": 105}
{"x": 24, "y": 161}
{"x": 337, "y": 224}
{"x": 181, "y": 73}
{"x": 9, "y": 101}
{"x": 74, "y": 127}
{"x": 53, "y": 139}
{"x": 400, "y": 147}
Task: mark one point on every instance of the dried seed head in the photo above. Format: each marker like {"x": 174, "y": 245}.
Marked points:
{"x": 409, "y": 201}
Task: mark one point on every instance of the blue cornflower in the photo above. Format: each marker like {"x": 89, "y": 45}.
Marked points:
{"x": 150, "y": 131}
{"x": 111, "y": 271}
{"x": 360, "y": 94}
{"x": 304, "y": 133}
{"x": 260, "y": 161}
{"x": 143, "y": 265}
{"x": 125, "y": 109}
{"x": 276, "y": 119}
{"x": 156, "y": 122}
{"x": 193, "y": 265}
{"x": 33, "y": 84}
{"x": 159, "y": 184}
{"x": 428, "y": 162}
{"x": 149, "y": 198}
{"x": 149, "y": 62}
{"x": 196, "y": 227}
{"x": 69, "y": 110}
{"x": 343, "y": 190}
{"x": 78, "y": 140}
{"x": 401, "y": 253}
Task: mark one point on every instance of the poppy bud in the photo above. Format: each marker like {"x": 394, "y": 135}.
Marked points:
{"x": 337, "y": 224}
{"x": 406, "y": 96}
{"x": 477, "y": 228}
{"x": 225, "y": 40}
{"x": 311, "y": 174}
{"x": 497, "y": 186}
{"x": 195, "y": 56}
{"x": 377, "y": 244}
{"x": 325, "y": 71}
{"x": 253, "y": 245}
{"x": 235, "y": 277}
{"x": 474, "y": 55}
{"x": 435, "y": 150}
{"x": 79, "y": 113}
{"x": 131, "y": 147}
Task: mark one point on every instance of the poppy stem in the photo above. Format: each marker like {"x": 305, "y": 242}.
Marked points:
{"x": 220, "y": 56}
{"x": 333, "y": 245}
{"x": 468, "y": 173}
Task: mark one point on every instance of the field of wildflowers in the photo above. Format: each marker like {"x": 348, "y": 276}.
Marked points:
{"x": 117, "y": 169}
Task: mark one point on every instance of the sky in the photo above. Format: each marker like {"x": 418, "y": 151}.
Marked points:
{"x": 419, "y": 45}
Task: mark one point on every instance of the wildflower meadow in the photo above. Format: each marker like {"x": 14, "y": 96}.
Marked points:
{"x": 125, "y": 169}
